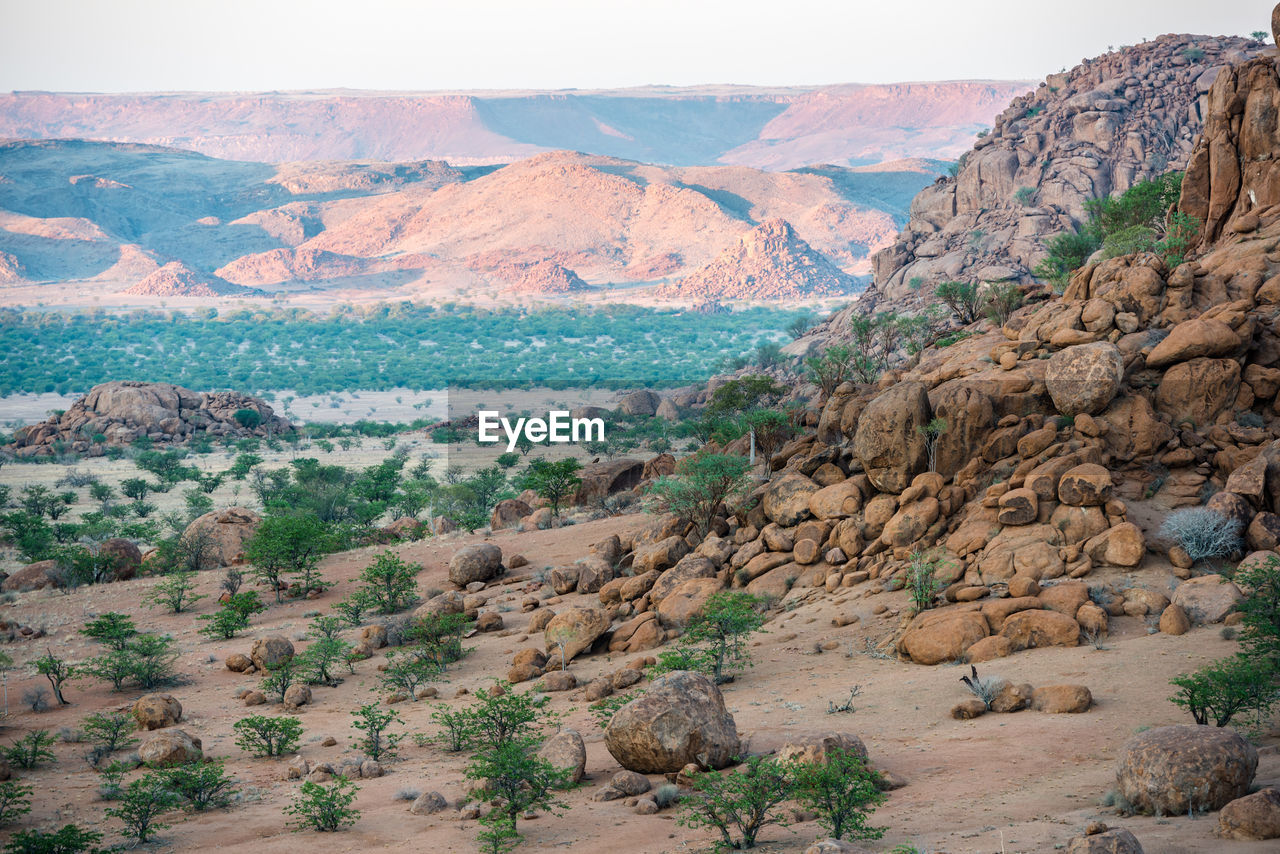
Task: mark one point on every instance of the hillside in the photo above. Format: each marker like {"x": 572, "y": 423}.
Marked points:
{"x": 113, "y": 214}
{"x": 774, "y": 129}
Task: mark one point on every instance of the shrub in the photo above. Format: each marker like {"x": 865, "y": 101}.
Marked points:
{"x": 842, "y": 791}
{"x": 699, "y": 486}
{"x": 1261, "y": 609}
{"x": 1219, "y": 691}
{"x": 248, "y": 418}
{"x": 69, "y": 839}
{"x": 739, "y": 804}
{"x": 264, "y": 736}
{"x": 985, "y": 688}
{"x": 203, "y": 785}
{"x": 830, "y": 368}
{"x": 280, "y": 677}
{"x": 32, "y": 750}
{"x": 57, "y": 670}
{"x": 224, "y": 623}
{"x": 175, "y": 591}
{"x": 552, "y": 481}
{"x": 715, "y": 641}
{"x": 389, "y": 583}
{"x": 111, "y": 629}
{"x": 1202, "y": 533}
{"x": 455, "y": 728}
{"x": 319, "y": 661}
{"x": 111, "y": 731}
{"x": 1002, "y": 300}
{"x": 513, "y": 776}
{"x": 961, "y": 298}
{"x": 326, "y": 808}
{"x": 146, "y": 661}
{"x": 922, "y": 581}
{"x": 1024, "y": 195}
{"x": 406, "y": 670}
{"x": 15, "y": 801}
{"x": 141, "y": 804}
{"x": 374, "y": 723}
{"x": 289, "y": 545}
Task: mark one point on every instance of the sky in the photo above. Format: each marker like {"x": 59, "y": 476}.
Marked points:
{"x": 266, "y": 45}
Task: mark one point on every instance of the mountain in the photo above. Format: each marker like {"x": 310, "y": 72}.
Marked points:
{"x": 113, "y": 214}
{"x": 764, "y": 128}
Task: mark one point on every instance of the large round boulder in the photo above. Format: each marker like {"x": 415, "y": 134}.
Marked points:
{"x": 220, "y": 536}
{"x": 889, "y": 440}
{"x": 33, "y": 576}
{"x": 508, "y": 513}
{"x": 125, "y": 557}
{"x": 157, "y": 711}
{"x": 1171, "y": 769}
{"x": 937, "y": 636}
{"x": 786, "y": 499}
{"x": 816, "y": 749}
{"x": 1255, "y": 816}
{"x": 573, "y": 631}
{"x": 477, "y": 562}
{"x": 171, "y": 747}
{"x": 270, "y": 652}
{"x": 565, "y": 750}
{"x": 1084, "y": 378}
{"x": 1207, "y": 598}
{"x": 680, "y": 719}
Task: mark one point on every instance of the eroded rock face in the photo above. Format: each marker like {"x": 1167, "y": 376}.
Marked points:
{"x": 680, "y": 719}
{"x": 892, "y": 450}
{"x": 1170, "y": 769}
{"x": 1084, "y": 378}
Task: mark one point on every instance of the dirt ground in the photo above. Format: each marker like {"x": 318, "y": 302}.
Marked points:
{"x": 1024, "y": 782}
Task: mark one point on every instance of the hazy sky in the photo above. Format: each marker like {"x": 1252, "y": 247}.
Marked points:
{"x": 144, "y": 45}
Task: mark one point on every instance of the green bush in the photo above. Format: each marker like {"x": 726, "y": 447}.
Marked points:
{"x": 1218, "y": 692}
{"x": 513, "y": 776}
{"x": 289, "y": 545}
{"x": 700, "y": 485}
{"x": 843, "y": 792}
{"x": 962, "y": 299}
{"x": 111, "y": 731}
{"x": 142, "y": 803}
{"x": 146, "y": 661}
{"x": 248, "y": 418}
{"x": 739, "y": 804}
{"x": 203, "y": 785}
{"x": 716, "y": 640}
{"x": 15, "y": 801}
{"x": 176, "y": 591}
{"x": 32, "y": 750}
{"x": 326, "y": 808}
{"x": 57, "y": 670}
{"x": 374, "y": 722}
{"x": 69, "y": 839}
{"x": 111, "y": 629}
{"x": 389, "y": 583}
{"x": 554, "y": 481}
{"x": 265, "y": 736}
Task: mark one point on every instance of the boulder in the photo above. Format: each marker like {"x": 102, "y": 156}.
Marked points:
{"x": 970, "y": 415}
{"x": 296, "y": 696}
{"x": 1198, "y": 391}
{"x": 124, "y": 556}
{"x": 1038, "y": 628}
{"x": 1084, "y": 378}
{"x": 682, "y": 605}
{"x": 1207, "y": 598}
{"x": 477, "y": 562}
{"x": 1255, "y": 816}
{"x": 1171, "y": 769}
{"x": 1200, "y": 336}
{"x": 566, "y": 750}
{"x": 573, "y": 631}
{"x": 607, "y": 477}
{"x": 1012, "y": 698}
{"x": 935, "y": 637}
{"x": 837, "y": 501}
{"x": 661, "y": 555}
{"x": 171, "y": 747}
{"x": 156, "y": 711}
{"x": 1119, "y": 545}
{"x": 1062, "y": 699}
{"x": 1174, "y": 620}
{"x": 814, "y": 749}
{"x": 643, "y": 402}
{"x": 1117, "y": 841}
{"x": 238, "y": 662}
{"x": 221, "y": 535}
{"x": 786, "y": 499}
{"x": 270, "y": 652}
{"x": 1018, "y": 507}
{"x": 508, "y": 513}
{"x": 891, "y": 448}
{"x": 34, "y": 576}
{"x": 428, "y": 803}
{"x": 680, "y": 719}
{"x": 1087, "y": 485}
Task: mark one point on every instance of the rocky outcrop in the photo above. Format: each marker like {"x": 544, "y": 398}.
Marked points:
{"x": 176, "y": 279}
{"x": 118, "y": 413}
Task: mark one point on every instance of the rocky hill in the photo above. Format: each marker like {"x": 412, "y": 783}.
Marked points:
{"x": 774, "y": 129}
{"x": 118, "y": 413}
{"x": 769, "y": 262}
{"x": 158, "y": 222}
{"x": 1082, "y": 134}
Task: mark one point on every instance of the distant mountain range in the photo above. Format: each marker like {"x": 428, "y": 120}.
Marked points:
{"x": 764, "y": 128}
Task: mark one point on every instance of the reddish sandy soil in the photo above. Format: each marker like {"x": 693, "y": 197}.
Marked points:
{"x": 1026, "y": 782}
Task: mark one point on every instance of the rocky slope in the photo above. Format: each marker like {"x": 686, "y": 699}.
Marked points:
{"x": 176, "y": 279}
{"x": 117, "y": 413}
{"x": 1082, "y": 134}
{"x": 761, "y": 128}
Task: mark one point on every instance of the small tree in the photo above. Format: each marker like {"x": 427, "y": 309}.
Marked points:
{"x": 203, "y": 785}
{"x": 374, "y": 723}
{"x": 324, "y": 808}
{"x": 136, "y": 488}
{"x": 962, "y": 299}
{"x": 111, "y": 629}
{"x": 923, "y": 583}
{"x": 831, "y": 368}
{"x": 552, "y": 481}
{"x": 513, "y": 776}
{"x": 406, "y": 670}
{"x": 390, "y": 583}
{"x": 111, "y": 731}
{"x": 175, "y": 591}
{"x": 69, "y": 839}
{"x": 772, "y": 429}
{"x": 1219, "y": 691}
{"x": 842, "y": 790}
{"x": 739, "y": 804}
{"x": 152, "y": 658}
{"x": 456, "y": 728}
{"x": 280, "y": 678}
{"x": 439, "y": 636}
{"x": 1002, "y": 300}
{"x": 141, "y": 804}
{"x": 700, "y": 485}
{"x": 319, "y": 661}
{"x": 57, "y": 670}
{"x": 932, "y": 432}
{"x": 264, "y": 736}
{"x": 715, "y": 641}
{"x": 15, "y": 801}
{"x": 288, "y": 545}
